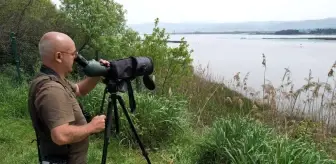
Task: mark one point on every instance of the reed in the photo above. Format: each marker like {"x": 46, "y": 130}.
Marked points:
{"x": 306, "y": 110}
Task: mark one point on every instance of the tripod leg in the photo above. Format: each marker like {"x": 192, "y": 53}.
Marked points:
{"x": 103, "y": 100}
{"x": 116, "y": 115}
{"x": 107, "y": 131}
{"x": 122, "y": 104}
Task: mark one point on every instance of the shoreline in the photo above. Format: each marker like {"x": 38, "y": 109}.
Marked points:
{"x": 246, "y": 32}
{"x": 300, "y": 36}
{"x": 307, "y": 38}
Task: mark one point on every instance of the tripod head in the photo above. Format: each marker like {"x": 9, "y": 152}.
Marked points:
{"x": 115, "y": 86}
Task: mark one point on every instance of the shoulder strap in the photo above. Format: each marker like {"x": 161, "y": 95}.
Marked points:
{"x": 37, "y": 83}
{"x": 65, "y": 85}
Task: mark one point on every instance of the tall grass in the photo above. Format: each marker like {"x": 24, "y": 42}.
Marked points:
{"x": 210, "y": 98}
{"x": 313, "y": 101}
{"x": 306, "y": 111}
{"x": 12, "y": 93}
{"x": 160, "y": 121}
{"x": 243, "y": 140}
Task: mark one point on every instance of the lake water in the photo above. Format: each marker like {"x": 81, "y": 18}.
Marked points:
{"x": 229, "y": 54}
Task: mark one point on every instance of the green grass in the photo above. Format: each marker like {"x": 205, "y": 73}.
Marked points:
{"x": 17, "y": 147}
{"x": 15, "y": 141}
{"x": 241, "y": 140}
{"x": 166, "y": 125}
{"x": 229, "y": 140}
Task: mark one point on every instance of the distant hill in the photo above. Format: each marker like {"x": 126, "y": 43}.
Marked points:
{"x": 244, "y": 26}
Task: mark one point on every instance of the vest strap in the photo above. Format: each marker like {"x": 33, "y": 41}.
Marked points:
{"x": 38, "y": 82}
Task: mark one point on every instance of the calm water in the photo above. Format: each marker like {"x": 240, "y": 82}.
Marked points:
{"x": 229, "y": 54}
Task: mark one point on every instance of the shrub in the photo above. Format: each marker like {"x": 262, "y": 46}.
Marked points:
{"x": 158, "y": 121}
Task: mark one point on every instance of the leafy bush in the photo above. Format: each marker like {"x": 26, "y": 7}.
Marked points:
{"x": 158, "y": 120}
{"x": 242, "y": 140}
{"x": 171, "y": 63}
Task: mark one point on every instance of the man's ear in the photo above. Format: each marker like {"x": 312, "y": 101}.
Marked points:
{"x": 58, "y": 57}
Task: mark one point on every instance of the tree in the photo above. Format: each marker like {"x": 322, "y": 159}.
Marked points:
{"x": 171, "y": 64}
{"x": 101, "y": 25}
{"x": 29, "y": 20}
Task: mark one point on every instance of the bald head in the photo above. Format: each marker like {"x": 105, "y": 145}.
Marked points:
{"x": 58, "y": 52}
{"x": 53, "y": 42}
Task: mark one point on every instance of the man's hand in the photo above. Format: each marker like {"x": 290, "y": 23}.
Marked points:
{"x": 86, "y": 85}
{"x": 97, "y": 124}
{"x": 104, "y": 62}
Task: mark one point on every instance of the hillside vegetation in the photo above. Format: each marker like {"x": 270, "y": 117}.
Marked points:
{"x": 189, "y": 118}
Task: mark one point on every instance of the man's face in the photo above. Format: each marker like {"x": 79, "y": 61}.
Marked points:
{"x": 67, "y": 58}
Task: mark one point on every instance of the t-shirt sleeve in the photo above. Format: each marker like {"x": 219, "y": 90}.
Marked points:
{"x": 54, "y": 105}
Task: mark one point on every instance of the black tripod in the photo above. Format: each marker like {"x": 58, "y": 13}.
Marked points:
{"x": 113, "y": 87}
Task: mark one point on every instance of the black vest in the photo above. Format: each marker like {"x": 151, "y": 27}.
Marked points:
{"x": 47, "y": 149}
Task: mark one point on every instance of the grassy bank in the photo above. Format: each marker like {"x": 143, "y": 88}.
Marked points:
{"x": 203, "y": 122}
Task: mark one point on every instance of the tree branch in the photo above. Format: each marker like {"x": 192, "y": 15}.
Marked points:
{"x": 87, "y": 40}
{"x": 22, "y": 14}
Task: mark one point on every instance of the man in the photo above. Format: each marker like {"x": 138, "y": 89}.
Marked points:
{"x": 59, "y": 123}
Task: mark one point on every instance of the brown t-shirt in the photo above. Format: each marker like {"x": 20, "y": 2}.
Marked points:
{"x": 57, "y": 105}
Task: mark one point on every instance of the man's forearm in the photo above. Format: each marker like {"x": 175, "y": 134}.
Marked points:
{"x": 78, "y": 133}
{"x": 75, "y": 134}
{"x": 86, "y": 85}
{"x": 67, "y": 134}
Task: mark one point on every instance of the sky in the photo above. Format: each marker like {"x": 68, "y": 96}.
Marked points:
{"x": 178, "y": 11}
